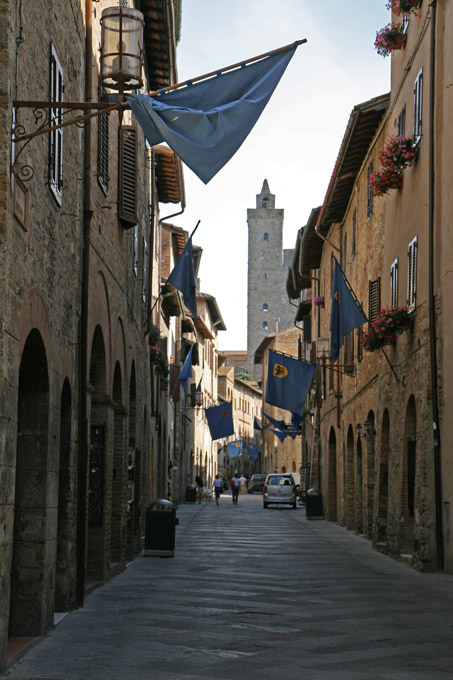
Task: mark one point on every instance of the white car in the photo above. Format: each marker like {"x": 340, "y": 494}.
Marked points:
{"x": 279, "y": 489}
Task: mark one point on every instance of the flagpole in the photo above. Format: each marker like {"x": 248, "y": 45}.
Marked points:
{"x": 357, "y": 301}
{"x": 205, "y": 76}
{"x": 196, "y": 227}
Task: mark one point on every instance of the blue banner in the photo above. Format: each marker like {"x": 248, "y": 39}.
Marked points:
{"x": 345, "y": 315}
{"x": 182, "y": 277}
{"x": 235, "y": 448}
{"x": 186, "y": 371}
{"x": 220, "y": 420}
{"x": 253, "y": 451}
{"x": 279, "y": 424}
{"x": 288, "y": 382}
{"x": 205, "y": 123}
{"x": 280, "y": 435}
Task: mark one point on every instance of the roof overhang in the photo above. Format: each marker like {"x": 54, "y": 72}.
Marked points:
{"x": 363, "y": 122}
{"x": 214, "y": 311}
{"x": 161, "y": 34}
{"x": 169, "y": 176}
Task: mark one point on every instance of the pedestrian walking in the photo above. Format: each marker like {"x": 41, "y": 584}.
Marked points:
{"x": 217, "y": 488}
{"x": 235, "y": 486}
{"x": 199, "y": 483}
{"x": 243, "y": 483}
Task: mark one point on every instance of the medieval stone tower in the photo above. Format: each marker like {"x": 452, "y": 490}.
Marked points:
{"x": 268, "y": 307}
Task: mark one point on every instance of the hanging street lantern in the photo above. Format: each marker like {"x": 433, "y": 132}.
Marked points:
{"x": 121, "y": 48}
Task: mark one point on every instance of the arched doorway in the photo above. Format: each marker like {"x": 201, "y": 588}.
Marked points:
{"x": 65, "y": 576}
{"x": 349, "y": 480}
{"x": 119, "y": 503}
{"x": 381, "y": 533}
{"x": 359, "y": 488}
{"x": 332, "y": 478}
{"x": 31, "y": 602}
{"x": 370, "y": 475}
{"x": 97, "y": 568}
{"x": 408, "y": 480}
{"x": 133, "y": 473}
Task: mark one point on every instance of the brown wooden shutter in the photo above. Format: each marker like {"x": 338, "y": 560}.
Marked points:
{"x": 127, "y": 176}
{"x": 374, "y": 299}
{"x": 103, "y": 151}
{"x": 359, "y": 343}
{"x": 349, "y": 352}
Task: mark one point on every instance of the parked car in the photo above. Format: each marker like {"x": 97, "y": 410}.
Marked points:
{"x": 256, "y": 483}
{"x": 279, "y": 489}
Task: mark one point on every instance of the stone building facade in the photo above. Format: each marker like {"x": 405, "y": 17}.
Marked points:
{"x": 379, "y": 425}
{"x": 268, "y": 309}
{"x": 81, "y": 444}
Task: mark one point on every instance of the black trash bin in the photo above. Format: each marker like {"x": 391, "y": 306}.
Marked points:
{"x": 191, "y": 494}
{"x": 313, "y": 504}
{"x": 160, "y": 529}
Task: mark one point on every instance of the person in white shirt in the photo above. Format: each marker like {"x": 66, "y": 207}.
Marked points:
{"x": 217, "y": 488}
{"x": 243, "y": 483}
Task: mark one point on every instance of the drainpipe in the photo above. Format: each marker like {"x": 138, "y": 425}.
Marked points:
{"x": 83, "y": 339}
{"x": 432, "y": 299}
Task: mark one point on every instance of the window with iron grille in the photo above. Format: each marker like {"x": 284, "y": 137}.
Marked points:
{"x": 354, "y": 228}
{"x": 103, "y": 151}
{"x": 127, "y": 176}
{"x": 402, "y": 122}
{"x": 412, "y": 273}
{"x": 349, "y": 352}
{"x": 369, "y": 195}
{"x": 374, "y": 299}
{"x": 418, "y": 106}
{"x": 394, "y": 284}
{"x": 56, "y": 136}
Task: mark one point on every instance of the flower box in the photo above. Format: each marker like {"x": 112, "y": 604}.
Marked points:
{"x": 389, "y": 39}
{"x": 398, "y": 154}
{"x": 319, "y": 301}
{"x": 386, "y": 327}
{"x": 401, "y": 7}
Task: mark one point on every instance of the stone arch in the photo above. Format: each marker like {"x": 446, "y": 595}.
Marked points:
{"x": 31, "y": 604}
{"x": 370, "y": 470}
{"x": 65, "y": 573}
{"x": 349, "y": 480}
{"x": 381, "y": 533}
{"x": 99, "y": 311}
{"x": 332, "y": 500}
{"x": 118, "y": 502}
{"x": 406, "y": 538}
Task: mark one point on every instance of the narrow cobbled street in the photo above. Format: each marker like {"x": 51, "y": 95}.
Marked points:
{"x": 255, "y": 593}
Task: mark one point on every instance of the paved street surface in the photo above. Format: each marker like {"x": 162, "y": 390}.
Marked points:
{"x": 255, "y": 593}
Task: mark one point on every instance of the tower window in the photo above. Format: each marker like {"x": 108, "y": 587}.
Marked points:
{"x": 265, "y": 236}
{"x": 265, "y": 326}
{"x": 265, "y": 307}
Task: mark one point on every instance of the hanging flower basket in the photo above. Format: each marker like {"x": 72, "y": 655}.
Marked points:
{"x": 319, "y": 301}
{"x": 389, "y": 39}
{"x": 398, "y": 154}
{"x": 401, "y": 7}
{"x": 154, "y": 336}
{"x": 386, "y": 327}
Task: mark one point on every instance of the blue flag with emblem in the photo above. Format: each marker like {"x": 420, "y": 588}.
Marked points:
{"x": 288, "y": 382}
{"x": 206, "y": 122}
{"x": 186, "y": 370}
{"x": 182, "y": 277}
{"x": 256, "y": 425}
{"x": 220, "y": 420}
{"x": 253, "y": 451}
{"x": 235, "y": 448}
{"x": 346, "y": 314}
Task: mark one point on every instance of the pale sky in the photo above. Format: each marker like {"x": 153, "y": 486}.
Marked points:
{"x": 295, "y": 142}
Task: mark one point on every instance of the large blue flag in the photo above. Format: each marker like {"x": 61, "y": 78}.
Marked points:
{"x": 345, "y": 315}
{"x": 235, "y": 448}
{"x": 220, "y": 420}
{"x": 205, "y": 123}
{"x": 279, "y": 424}
{"x": 288, "y": 382}
{"x": 182, "y": 277}
{"x": 253, "y": 451}
{"x": 186, "y": 370}
{"x": 278, "y": 434}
